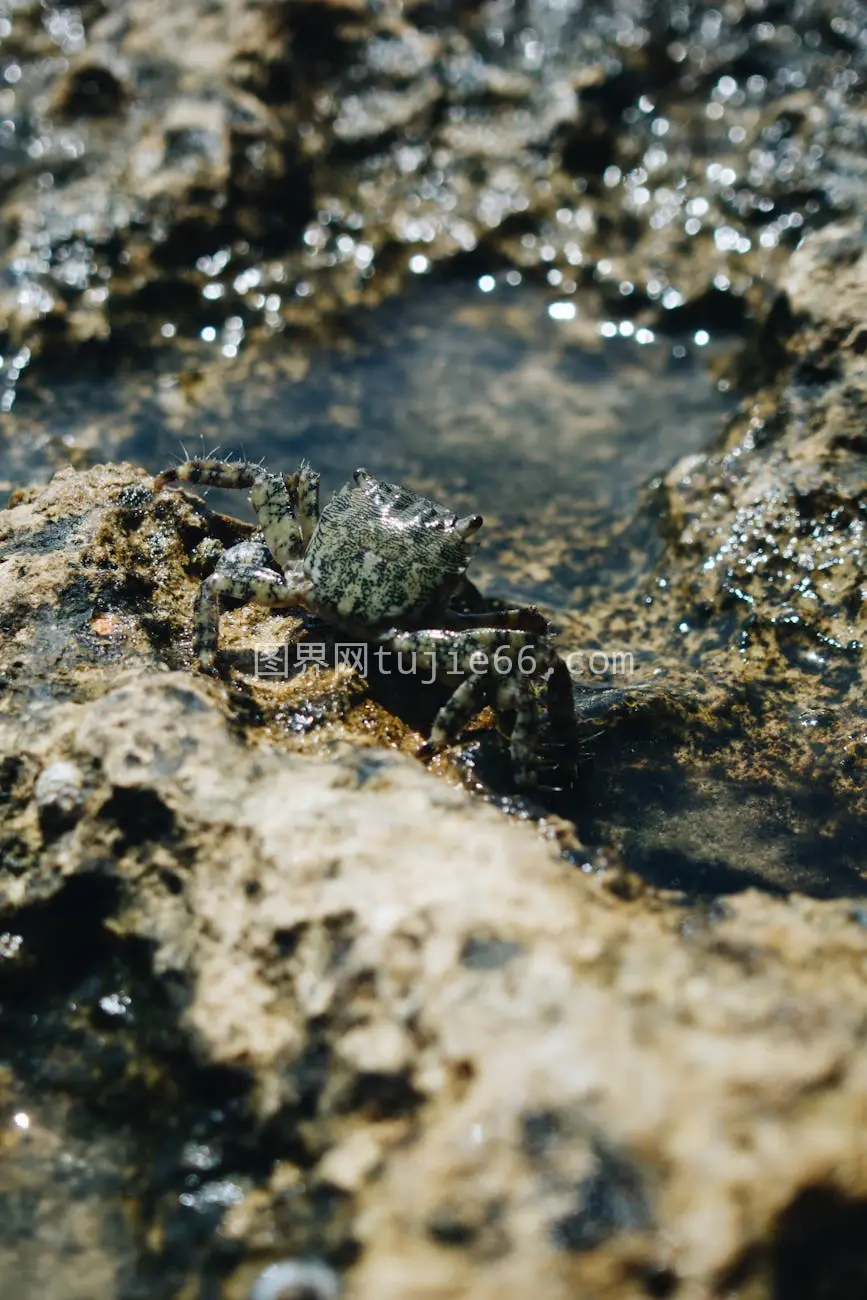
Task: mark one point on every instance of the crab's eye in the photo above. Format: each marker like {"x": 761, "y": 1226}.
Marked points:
{"x": 362, "y": 477}
{"x": 469, "y": 526}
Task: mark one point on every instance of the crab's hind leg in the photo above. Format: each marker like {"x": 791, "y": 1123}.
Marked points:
{"x": 270, "y": 496}
{"x": 544, "y": 734}
{"x": 522, "y": 618}
{"x": 503, "y": 664}
{"x": 237, "y": 578}
{"x": 516, "y": 695}
{"x": 463, "y": 704}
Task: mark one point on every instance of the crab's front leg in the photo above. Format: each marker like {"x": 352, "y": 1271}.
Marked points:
{"x": 497, "y": 665}
{"x": 276, "y": 498}
{"x": 304, "y": 487}
{"x": 242, "y": 574}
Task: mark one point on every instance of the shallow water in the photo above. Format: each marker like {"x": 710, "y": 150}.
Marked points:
{"x": 485, "y": 399}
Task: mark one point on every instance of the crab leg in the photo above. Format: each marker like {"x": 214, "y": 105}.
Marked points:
{"x": 270, "y": 496}
{"x": 242, "y": 581}
{"x": 466, "y": 701}
{"x": 494, "y": 660}
{"x": 525, "y": 619}
{"x": 513, "y": 694}
{"x": 501, "y": 651}
{"x": 306, "y": 486}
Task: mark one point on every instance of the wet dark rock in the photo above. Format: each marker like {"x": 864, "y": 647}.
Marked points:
{"x": 175, "y": 168}
{"x": 91, "y": 91}
{"x": 733, "y": 752}
{"x": 608, "y": 1201}
{"x": 488, "y": 954}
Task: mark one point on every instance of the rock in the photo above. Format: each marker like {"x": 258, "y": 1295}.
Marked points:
{"x": 278, "y": 1005}
{"x": 58, "y": 794}
{"x": 370, "y": 1018}
{"x": 734, "y": 752}
{"x": 294, "y": 1279}
{"x": 172, "y": 169}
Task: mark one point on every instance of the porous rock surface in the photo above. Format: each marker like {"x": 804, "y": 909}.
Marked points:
{"x": 267, "y": 987}
{"x": 463, "y": 1067}
{"x": 751, "y": 613}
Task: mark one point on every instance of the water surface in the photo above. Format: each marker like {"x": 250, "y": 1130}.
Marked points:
{"x": 488, "y": 400}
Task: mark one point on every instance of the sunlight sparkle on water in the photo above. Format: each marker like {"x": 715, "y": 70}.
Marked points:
{"x": 562, "y": 310}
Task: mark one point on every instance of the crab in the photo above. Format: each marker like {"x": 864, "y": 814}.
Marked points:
{"x": 385, "y": 565}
